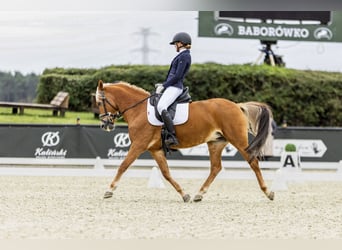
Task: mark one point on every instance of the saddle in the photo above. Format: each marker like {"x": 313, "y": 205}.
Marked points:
{"x": 183, "y": 98}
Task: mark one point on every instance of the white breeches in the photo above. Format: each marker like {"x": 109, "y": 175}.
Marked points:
{"x": 168, "y": 97}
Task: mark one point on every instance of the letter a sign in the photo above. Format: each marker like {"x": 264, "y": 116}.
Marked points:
{"x": 290, "y": 160}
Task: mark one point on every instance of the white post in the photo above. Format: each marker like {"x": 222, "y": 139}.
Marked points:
{"x": 289, "y": 170}
{"x": 155, "y": 180}
{"x": 98, "y": 164}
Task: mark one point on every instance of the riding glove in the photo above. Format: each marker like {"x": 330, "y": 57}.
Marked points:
{"x": 159, "y": 88}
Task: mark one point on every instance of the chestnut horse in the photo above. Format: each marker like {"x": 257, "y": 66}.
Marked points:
{"x": 216, "y": 122}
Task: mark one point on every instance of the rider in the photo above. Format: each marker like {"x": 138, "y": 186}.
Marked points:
{"x": 173, "y": 86}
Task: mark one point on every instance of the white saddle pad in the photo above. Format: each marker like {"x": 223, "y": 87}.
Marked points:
{"x": 181, "y": 116}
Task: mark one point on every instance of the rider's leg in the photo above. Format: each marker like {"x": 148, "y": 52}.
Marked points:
{"x": 168, "y": 97}
{"x": 171, "y": 140}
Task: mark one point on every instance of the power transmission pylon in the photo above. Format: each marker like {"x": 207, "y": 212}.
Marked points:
{"x": 145, "y": 49}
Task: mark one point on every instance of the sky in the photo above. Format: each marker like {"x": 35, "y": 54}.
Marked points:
{"x": 33, "y": 40}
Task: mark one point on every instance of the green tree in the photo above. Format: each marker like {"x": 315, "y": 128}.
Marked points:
{"x": 17, "y": 87}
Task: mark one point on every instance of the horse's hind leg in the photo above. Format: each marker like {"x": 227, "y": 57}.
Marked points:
{"x": 240, "y": 141}
{"x": 254, "y": 164}
{"x": 159, "y": 156}
{"x": 215, "y": 152}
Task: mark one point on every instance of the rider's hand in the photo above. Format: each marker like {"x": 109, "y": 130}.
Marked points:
{"x": 159, "y": 88}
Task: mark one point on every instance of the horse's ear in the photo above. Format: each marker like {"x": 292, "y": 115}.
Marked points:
{"x": 100, "y": 85}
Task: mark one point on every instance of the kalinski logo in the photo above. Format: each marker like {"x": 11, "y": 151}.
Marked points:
{"x": 113, "y": 153}
{"x": 121, "y": 140}
{"x": 50, "y": 153}
{"x": 50, "y": 139}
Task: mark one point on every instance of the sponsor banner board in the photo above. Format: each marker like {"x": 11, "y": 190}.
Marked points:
{"x": 82, "y": 141}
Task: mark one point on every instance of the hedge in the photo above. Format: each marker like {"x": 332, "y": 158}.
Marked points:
{"x": 301, "y": 97}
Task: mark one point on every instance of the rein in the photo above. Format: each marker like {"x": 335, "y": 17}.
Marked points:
{"x": 118, "y": 114}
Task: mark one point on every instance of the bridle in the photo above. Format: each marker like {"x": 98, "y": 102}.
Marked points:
{"x": 111, "y": 117}
{"x": 104, "y": 100}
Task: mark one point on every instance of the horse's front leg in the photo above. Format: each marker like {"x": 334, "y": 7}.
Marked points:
{"x": 215, "y": 152}
{"x": 131, "y": 156}
{"x": 160, "y": 158}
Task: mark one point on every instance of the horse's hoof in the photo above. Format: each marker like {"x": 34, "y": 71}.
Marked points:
{"x": 186, "y": 198}
{"x": 108, "y": 194}
{"x": 271, "y": 196}
{"x": 198, "y": 198}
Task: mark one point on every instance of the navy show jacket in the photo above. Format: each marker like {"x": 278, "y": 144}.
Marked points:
{"x": 179, "y": 67}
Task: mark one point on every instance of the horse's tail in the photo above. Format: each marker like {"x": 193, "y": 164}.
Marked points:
{"x": 259, "y": 117}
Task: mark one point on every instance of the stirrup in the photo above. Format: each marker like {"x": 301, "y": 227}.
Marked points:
{"x": 171, "y": 141}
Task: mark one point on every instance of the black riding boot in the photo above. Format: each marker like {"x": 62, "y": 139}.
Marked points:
{"x": 171, "y": 139}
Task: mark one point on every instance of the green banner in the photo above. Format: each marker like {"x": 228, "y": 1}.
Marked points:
{"x": 212, "y": 24}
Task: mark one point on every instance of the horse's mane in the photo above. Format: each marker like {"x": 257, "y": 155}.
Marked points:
{"x": 126, "y": 84}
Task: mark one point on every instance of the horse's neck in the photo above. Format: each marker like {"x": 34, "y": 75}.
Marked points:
{"x": 127, "y": 99}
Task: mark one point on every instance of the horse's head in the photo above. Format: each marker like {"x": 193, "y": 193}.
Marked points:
{"x": 107, "y": 109}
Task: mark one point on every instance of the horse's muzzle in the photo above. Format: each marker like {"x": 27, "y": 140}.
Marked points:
{"x": 107, "y": 126}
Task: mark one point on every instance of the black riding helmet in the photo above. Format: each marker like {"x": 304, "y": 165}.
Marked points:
{"x": 182, "y": 37}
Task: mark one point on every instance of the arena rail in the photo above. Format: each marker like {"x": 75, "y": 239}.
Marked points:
{"x": 145, "y": 163}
